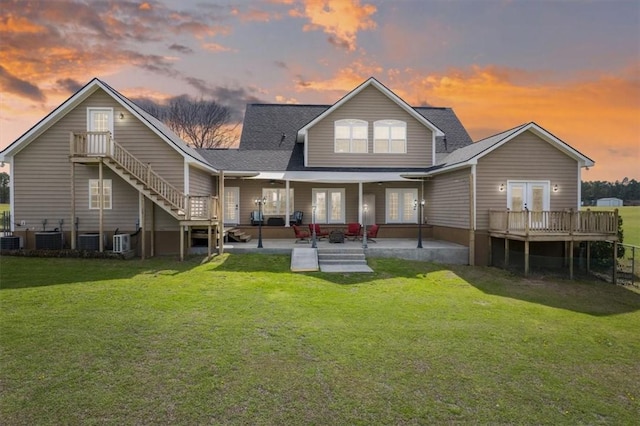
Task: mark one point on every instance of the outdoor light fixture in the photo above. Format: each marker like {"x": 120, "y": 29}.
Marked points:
{"x": 501, "y": 187}
{"x": 260, "y": 203}
{"x": 121, "y": 115}
{"x": 420, "y": 204}
{"x": 555, "y": 188}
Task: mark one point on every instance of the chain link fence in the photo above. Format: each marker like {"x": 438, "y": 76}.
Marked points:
{"x": 624, "y": 271}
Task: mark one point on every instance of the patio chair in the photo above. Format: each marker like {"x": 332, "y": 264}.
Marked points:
{"x": 353, "y": 230}
{"x": 256, "y": 217}
{"x": 319, "y": 232}
{"x": 372, "y": 232}
{"x": 301, "y": 236}
{"x": 295, "y": 218}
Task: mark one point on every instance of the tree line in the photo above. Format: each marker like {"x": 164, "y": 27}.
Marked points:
{"x": 627, "y": 190}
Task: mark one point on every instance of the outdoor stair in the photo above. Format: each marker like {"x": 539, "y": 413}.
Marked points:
{"x": 342, "y": 260}
{"x": 238, "y": 236}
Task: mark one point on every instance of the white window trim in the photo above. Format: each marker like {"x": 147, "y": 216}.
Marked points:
{"x": 281, "y": 202}
{"x": 328, "y": 191}
{"x": 546, "y": 202}
{"x": 109, "y": 110}
{"x": 387, "y": 210}
{"x": 389, "y": 124}
{"x": 105, "y": 183}
{"x": 351, "y": 123}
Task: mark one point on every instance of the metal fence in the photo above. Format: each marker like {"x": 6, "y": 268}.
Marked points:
{"x": 624, "y": 271}
{"x": 5, "y": 224}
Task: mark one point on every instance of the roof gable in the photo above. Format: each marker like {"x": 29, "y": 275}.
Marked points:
{"x": 76, "y": 99}
{"x": 384, "y": 90}
{"x": 470, "y": 154}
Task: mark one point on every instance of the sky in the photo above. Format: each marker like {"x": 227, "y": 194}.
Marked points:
{"x": 571, "y": 66}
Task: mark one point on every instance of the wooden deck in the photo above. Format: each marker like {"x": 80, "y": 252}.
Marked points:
{"x": 566, "y": 226}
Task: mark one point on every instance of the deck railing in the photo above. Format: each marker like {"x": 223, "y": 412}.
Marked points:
{"x": 556, "y": 222}
{"x": 100, "y": 144}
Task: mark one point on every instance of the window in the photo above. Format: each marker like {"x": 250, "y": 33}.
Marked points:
{"x": 400, "y": 205}
{"x": 351, "y": 136}
{"x": 390, "y": 136}
{"x": 94, "y": 194}
{"x": 276, "y": 201}
{"x": 330, "y": 205}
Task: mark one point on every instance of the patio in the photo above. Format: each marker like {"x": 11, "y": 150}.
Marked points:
{"x": 403, "y": 248}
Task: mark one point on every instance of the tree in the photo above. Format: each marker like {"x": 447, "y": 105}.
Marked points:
{"x": 201, "y": 123}
{"x": 4, "y": 188}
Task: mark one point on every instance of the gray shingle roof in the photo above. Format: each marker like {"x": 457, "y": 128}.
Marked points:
{"x": 268, "y": 141}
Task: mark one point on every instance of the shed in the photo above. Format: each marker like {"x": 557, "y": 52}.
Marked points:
{"x": 609, "y": 202}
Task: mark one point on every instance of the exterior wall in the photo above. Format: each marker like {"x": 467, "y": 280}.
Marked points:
{"x": 42, "y": 174}
{"x": 251, "y": 189}
{"x": 526, "y": 157}
{"x": 200, "y": 182}
{"x": 369, "y": 105}
{"x": 447, "y": 198}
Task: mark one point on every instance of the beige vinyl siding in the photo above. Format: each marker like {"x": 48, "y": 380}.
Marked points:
{"x": 526, "y": 157}
{"x": 369, "y": 105}
{"x": 42, "y": 172}
{"x": 200, "y": 182}
{"x": 448, "y": 199}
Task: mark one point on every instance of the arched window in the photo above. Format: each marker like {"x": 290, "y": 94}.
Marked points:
{"x": 351, "y": 136}
{"x": 389, "y": 137}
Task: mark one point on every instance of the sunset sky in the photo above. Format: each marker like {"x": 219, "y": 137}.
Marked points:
{"x": 573, "y": 67}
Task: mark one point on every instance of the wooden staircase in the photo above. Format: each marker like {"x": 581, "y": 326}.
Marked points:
{"x": 188, "y": 209}
{"x": 238, "y": 236}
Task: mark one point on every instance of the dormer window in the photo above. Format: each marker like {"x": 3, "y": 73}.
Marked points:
{"x": 390, "y": 137}
{"x": 351, "y": 136}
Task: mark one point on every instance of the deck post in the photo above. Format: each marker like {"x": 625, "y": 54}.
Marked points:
{"x": 472, "y": 220}
{"x": 181, "y": 232}
{"x": 152, "y": 231}
{"x": 209, "y": 241}
{"x": 588, "y": 256}
{"x": 615, "y": 261}
{"x": 101, "y": 206}
{"x": 526, "y": 257}
{"x": 506, "y": 252}
{"x": 143, "y": 225}
{"x": 73, "y": 203}
{"x": 490, "y": 253}
{"x": 571, "y": 259}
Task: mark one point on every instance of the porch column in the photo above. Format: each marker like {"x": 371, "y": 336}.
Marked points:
{"x": 73, "y": 205}
{"x": 221, "y": 212}
{"x": 287, "y": 207}
{"x": 101, "y": 205}
{"x": 360, "y": 201}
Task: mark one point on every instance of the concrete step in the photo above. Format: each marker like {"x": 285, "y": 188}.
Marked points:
{"x": 341, "y": 256}
{"x": 342, "y": 262}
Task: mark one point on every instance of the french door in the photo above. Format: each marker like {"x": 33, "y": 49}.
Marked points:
{"x": 532, "y": 196}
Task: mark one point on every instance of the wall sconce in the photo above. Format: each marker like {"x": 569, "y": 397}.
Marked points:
{"x": 122, "y": 116}
{"x": 555, "y": 188}
{"x": 501, "y": 187}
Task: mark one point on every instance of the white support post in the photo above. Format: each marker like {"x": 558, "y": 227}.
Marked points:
{"x": 287, "y": 206}
{"x": 360, "y": 201}
{"x": 101, "y": 206}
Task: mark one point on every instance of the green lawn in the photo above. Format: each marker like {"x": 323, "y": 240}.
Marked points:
{"x": 241, "y": 340}
{"x": 4, "y": 208}
{"x": 630, "y": 222}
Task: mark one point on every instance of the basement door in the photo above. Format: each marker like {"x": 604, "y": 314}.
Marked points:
{"x": 231, "y": 205}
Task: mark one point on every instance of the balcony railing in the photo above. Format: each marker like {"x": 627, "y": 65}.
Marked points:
{"x": 101, "y": 144}
{"x": 554, "y": 222}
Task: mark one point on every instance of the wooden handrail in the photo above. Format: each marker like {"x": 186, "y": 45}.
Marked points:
{"x": 101, "y": 144}
{"x": 565, "y": 221}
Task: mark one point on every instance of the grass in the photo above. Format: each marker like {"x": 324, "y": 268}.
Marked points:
{"x": 241, "y": 340}
{"x": 4, "y": 208}
{"x": 630, "y": 222}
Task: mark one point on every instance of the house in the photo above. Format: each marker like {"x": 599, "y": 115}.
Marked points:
{"x": 368, "y": 158}
{"x": 609, "y": 202}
